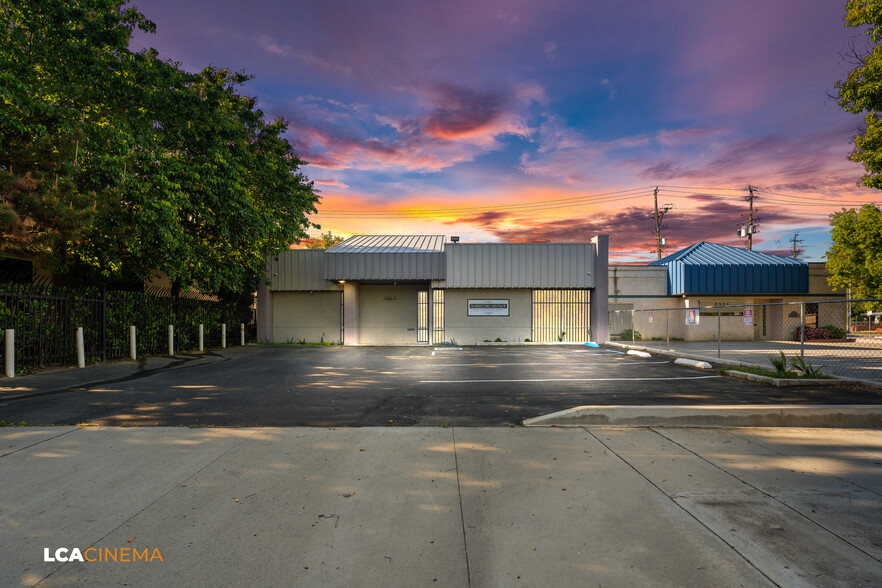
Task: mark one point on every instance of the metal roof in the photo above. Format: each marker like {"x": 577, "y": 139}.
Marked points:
{"x": 710, "y": 268}
{"x": 387, "y": 258}
{"x": 390, "y": 244}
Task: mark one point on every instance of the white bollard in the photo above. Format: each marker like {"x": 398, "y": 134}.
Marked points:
{"x": 10, "y": 353}
{"x": 201, "y": 337}
{"x": 133, "y": 342}
{"x": 171, "y": 339}
{"x": 223, "y": 335}
{"x": 242, "y": 335}
{"x": 81, "y": 348}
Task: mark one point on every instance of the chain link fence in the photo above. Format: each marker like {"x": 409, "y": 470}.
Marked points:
{"x": 46, "y": 318}
{"x": 839, "y": 337}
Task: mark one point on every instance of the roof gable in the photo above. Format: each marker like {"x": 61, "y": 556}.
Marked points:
{"x": 710, "y": 268}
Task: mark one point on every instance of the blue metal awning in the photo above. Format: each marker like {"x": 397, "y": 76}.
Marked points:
{"x": 709, "y": 268}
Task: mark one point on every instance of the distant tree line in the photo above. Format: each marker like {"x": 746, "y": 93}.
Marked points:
{"x": 114, "y": 163}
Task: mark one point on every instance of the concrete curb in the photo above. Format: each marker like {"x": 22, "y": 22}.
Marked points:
{"x": 734, "y": 363}
{"x": 702, "y": 365}
{"x": 736, "y": 415}
{"x": 789, "y": 382}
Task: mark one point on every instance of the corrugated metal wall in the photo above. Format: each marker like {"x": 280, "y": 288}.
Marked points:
{"x": 384, "y": 266}
{"x": 298, "y": 269}
{"x": 710, "y": 268}
{"x": 737, "y": 279}
{"x": 520, "y": 265}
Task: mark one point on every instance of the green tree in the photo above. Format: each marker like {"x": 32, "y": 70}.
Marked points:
{"x": 860, "y": 91}
{"x": 855, "y": 259}
{"x": 326, "y": 241}
{"x": 118, "y": 163}
{"x": 61, "y": 67}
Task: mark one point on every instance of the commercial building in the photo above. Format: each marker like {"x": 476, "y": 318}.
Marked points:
{"x": 708, "y": 274}
{"x": 422, "y": 289}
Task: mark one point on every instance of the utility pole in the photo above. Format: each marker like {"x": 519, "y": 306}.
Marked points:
{"x": 795, "y": 241}
{"x": 752, "y": 220}
{"x": 660, "y": 241}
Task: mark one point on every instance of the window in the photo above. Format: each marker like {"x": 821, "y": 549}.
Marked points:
{"x": 560, "y": 315}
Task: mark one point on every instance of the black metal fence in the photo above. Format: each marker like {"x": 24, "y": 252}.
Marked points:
{"x": 46, "y": 318}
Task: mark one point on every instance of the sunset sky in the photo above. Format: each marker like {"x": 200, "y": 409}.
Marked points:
{"x": 548, "y": 120}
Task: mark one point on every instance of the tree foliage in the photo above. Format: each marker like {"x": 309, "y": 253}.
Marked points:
{"x": 117, "y": 164}
{"x": 855, "y": 259}
{"x": 326, "y": 241}
{"x": 861, "y": 91}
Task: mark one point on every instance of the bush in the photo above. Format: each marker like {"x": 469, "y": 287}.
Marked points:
{"x": 836, "y": 332}
{"x": 631, "y": 335}
{"x": 812, "y": 334}
{"x": 780, "y": 364}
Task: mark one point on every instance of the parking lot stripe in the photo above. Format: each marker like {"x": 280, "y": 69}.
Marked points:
{"x": 569, "y": 363}
{"x": 566, "y": 380}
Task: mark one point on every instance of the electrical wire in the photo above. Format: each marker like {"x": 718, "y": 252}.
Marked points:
{"x": 600, "y": 198}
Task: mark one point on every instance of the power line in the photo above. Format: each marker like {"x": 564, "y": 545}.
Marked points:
{"x": 589, "y": 199}
{"x": 525, "y": 207}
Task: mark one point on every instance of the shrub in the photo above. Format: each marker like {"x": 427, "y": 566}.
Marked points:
{"x": 815, "y": 334}
{"x": 836, "y": 332}
{"x": 812, "y": 334}
{"x": 780, "y": 364}
{"x": 806, "y": 368}
{"x": 631, "y": 335}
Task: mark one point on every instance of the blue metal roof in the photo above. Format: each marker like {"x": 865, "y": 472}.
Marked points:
{"x": 709, "y": 268}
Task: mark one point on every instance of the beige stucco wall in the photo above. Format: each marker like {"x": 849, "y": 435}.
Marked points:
{"x": 312, "y": 316}
{"x": 638, "y": 280}
{"x": 467, "y": 330}
{"x": 387, "y": 314}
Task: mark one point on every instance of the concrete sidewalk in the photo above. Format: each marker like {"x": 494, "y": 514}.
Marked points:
{"x": 443, "y": 506}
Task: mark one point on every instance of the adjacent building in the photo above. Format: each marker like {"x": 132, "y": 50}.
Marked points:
{"x": 708, "y": 274}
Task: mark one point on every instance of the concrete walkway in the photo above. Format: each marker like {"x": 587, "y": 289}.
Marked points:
{"x": 442, "y": 506}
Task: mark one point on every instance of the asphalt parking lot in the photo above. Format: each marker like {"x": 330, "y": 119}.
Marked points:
{"x": 370, "y": 386}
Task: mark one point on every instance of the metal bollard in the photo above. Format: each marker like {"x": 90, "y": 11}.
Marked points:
{"x": 171, "y": 339}
{"x": 242, "y": 334}
{"x": 81, "y": 348}
{"x": 223, "y": 335}
{"x": 201, "y": 337}
{"x": 133, "y": 342}
{"x": 10, "y": 353}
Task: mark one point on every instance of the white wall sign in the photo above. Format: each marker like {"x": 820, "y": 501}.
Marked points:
{"x": 650, "y": 317}
{"x": 692, "y": 316}
{"x": 488, "y": 308}
{"x": 748, "y": 317}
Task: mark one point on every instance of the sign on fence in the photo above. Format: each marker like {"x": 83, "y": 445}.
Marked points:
{"x": 650, "y": 317}
{"x": 748, "y": 317}
{"x": 692, "y": 316}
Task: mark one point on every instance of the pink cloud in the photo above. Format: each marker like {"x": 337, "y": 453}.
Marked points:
{"x": 461, "y": 124}
{"x": 333, "y": 183}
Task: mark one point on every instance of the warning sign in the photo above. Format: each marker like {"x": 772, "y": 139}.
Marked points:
{"x": 748, "y": 317}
